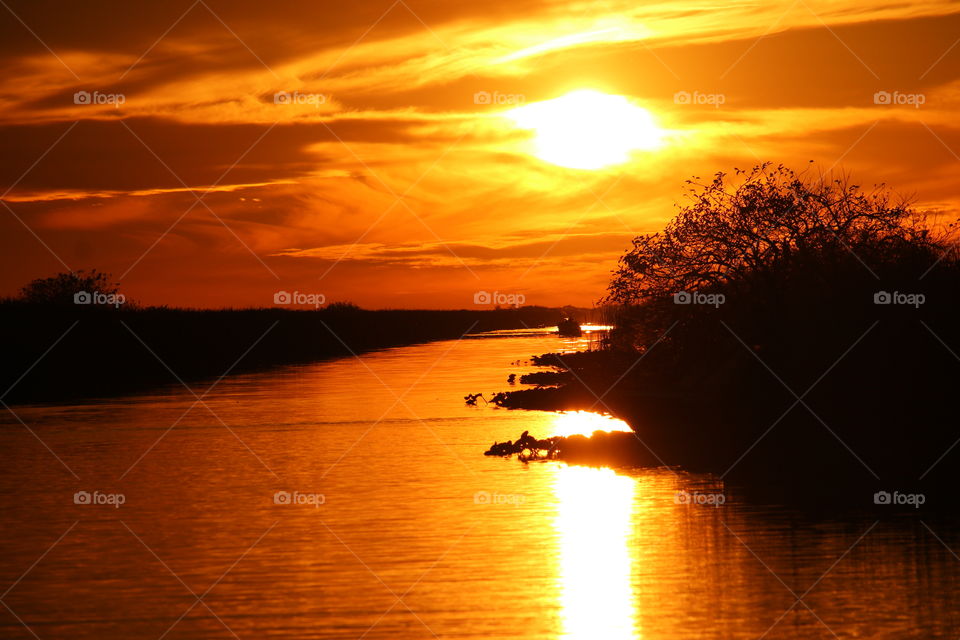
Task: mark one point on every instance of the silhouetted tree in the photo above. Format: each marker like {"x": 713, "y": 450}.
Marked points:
{"x": 61, "y": 288}
{"x": 768, "y": 223}
{"x": 760, "y": 238}
{"x": 795, "y": 274}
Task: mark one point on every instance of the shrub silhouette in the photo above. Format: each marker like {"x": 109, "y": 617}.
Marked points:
{"x": 768, "y": 223}
{"x": 61, "y": 288}
{"x": 772, "y": 231}
{"x": 803, "y": 267}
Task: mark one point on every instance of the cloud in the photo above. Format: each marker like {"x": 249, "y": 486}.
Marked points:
{"x": 382, "y": 164}
{"x": 516, "y": 252}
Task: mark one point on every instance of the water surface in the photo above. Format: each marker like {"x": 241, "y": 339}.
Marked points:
{"x": 351, "y": 499}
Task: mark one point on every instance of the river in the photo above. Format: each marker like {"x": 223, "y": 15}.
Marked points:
{"x": 351, "y": 499}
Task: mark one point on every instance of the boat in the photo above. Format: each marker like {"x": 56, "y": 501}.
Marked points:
{"x": 569, "y": 328}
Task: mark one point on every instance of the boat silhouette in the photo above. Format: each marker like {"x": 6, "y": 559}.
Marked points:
{"x": 568, "y": 327}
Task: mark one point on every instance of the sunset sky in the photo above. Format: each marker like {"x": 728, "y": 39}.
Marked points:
{"x": 382, "y": 174}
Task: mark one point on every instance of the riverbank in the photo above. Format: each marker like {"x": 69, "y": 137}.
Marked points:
{"x": 877, "y": 423}
{"x": 60, "y": 353}
{"x": 599, "y": 449}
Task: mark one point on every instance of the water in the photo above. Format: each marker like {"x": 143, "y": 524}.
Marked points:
{"x": 400, "y": 528}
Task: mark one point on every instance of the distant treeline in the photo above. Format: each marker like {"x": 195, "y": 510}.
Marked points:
{"x": 64, "y": 351}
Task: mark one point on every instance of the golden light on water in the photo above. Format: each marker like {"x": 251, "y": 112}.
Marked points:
{"x": 571, "y": 423}
{"x": 593, "y": 523}
{"x": 588, "y": 129}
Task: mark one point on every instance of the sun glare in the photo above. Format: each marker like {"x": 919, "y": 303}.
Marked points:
{"x": 571, "y": 423}
{"x": 588, "y": 129}
{"x": 594, "y": 512}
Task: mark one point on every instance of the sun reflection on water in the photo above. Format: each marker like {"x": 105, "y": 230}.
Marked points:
{"x": 593, "y": 523}
{"x": 571, "y": 423}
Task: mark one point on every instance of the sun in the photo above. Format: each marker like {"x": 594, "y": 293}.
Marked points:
{"x": 588, "y": 129}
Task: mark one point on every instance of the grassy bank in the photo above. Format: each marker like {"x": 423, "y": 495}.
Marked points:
{"x": 784, "y": 331}
{"x": 65, "y": 352}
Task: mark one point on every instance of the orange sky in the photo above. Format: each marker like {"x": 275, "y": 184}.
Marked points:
{"x": 386, "y": 184}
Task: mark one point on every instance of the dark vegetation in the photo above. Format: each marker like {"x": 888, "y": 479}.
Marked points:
{"x": 546, "y": 378}
{"x": 602, "y": 448}
{"x": 771, "y": 286}
{"x": 115, "y": 349}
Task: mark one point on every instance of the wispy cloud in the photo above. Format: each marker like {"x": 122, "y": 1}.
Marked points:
{"x": 354, "y": 137}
